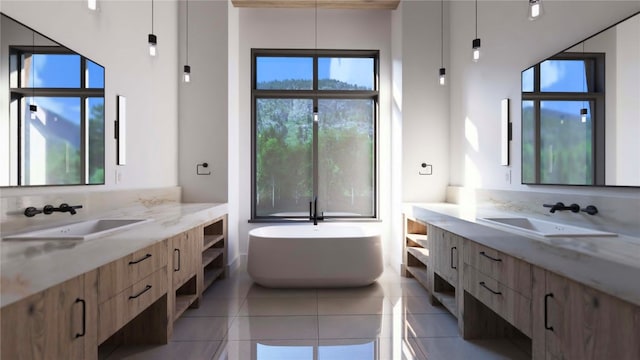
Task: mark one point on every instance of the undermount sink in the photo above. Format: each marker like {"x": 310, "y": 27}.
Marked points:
{"x": 544, "y": 228}
{"x": 85, "y": 230}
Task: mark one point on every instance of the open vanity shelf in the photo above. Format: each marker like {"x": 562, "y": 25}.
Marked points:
{"x": 416, "y": 256}
{"x": 214, "y": 251}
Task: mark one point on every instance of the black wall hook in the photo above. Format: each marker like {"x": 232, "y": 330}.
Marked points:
{"x": 200, "y": 171}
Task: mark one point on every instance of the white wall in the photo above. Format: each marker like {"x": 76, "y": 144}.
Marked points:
{"x": 204, "y": 101}
{"x": 510, "y": 43}
{"x": 425, "y": 108}
{"x": 294, "y": 28}
{"x": 116, "y": 38}
{"x": 628, "y": 106}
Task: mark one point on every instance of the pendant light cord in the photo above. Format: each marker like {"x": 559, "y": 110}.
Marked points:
{"x": 187, "y": 32}
{"x": 441, "y": 33}
{"x": 152, "y": 16}
{"x": 33, "y": 66}
{"x": 476, "y": 19}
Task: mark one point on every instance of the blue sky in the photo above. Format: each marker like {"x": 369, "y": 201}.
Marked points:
{"x": 559, "y": 76}
{"x": 63, "y": 71}
{"x": 356, "y": 71}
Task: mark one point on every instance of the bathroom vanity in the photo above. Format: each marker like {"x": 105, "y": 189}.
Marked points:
{"x": 64, "y": 299}
{"x": 556, "y": 297}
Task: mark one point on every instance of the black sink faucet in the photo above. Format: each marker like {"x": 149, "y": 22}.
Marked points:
{"x": 313, "y": 211}
{"x": 31, "y": 211}
{"x": 560, "y": 207}
{"x": 71, "y": 209}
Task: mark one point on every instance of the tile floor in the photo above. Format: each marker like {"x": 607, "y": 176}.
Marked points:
{"x": 239, "y": 320}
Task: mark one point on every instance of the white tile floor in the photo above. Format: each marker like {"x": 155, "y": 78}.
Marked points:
{"x": 239, "y": 320}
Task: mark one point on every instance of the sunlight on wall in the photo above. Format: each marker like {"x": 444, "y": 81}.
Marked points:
{"x": 37, "y": 151}
{"x": 396, "y": 71}
{"x": 471, "y": 134}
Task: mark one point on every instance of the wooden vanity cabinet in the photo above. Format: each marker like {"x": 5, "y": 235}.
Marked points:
{"x": 574, "y": 321}
{"x": 184, "y": 255}
{"x": 57, "y": 323}
{"x": 444, "y": 254}
{"x": 128, "y": 286}
{"x": 184, "y": 263}
{"x": 500, "y": 282}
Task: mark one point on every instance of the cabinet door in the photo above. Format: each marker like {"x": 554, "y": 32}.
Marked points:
{"x": 446, "y": 249}
{"x": 57, "y": 323}
{"x": 185, "y": 256}
{"x": 451, "y": 256}
{"x": 574, "y": 321}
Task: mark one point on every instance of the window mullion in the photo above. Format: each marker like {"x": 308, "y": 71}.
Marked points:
{"x": 314, "y": 143}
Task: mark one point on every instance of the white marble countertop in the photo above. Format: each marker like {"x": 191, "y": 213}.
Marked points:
{"x": 28, "y": 267}
{"x": 609, "y": 264}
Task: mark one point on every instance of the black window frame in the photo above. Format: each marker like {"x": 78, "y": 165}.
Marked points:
{"x": 594, "y": 94}
{"x": 83, "y": 92}
{"x": 315, "y": 95}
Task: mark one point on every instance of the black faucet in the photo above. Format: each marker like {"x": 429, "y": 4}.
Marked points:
{"x": 313, "y": 211}
{"x": 49, "y": 209}
{"x": 560, "y": 207}
{"x": 31, "y": 211}
{"x": 590, "y": 209}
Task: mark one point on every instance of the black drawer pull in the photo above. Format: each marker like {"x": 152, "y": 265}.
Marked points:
{"x": 146, "y": 288}
{"x": 84, "y": 318}
{"x": 178, "y": 252}
{"x": 453, "y": 266}
{"x": 489, "y": 257}
{"x": 140, "y": 260}
{"x": 546, "y": 312}
{"x": 482, "y": 283}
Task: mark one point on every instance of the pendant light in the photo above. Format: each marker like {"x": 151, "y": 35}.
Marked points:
{"x": 92, "y": 4}
{"x": 315, "y": 47}
{"x": 583, "y": 111}
{"x": 535, "y": 9}
{"x": 475, "y": 44}
{"x": 187, "y": 68}
{"x": 442, "y": 78}
{"x": 153, "y": 39}
{"x": 33, "y": 108}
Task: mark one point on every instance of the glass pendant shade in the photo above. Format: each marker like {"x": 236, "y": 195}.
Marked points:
{"x": 33, "y": 109}
{"x": 315, "y": 114}
{"x": 92, "y": 4}
{"x": 443, "y": 76}
{"x": 535, "y": 9}
{"x": 153, "y": 42}
{"x": 583, "y": 115}
{"x": 187, "y": 73}
{"x": 476, "y": 49}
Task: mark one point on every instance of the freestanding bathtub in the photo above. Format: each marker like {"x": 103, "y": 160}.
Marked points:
{"x": 326, "y": 255}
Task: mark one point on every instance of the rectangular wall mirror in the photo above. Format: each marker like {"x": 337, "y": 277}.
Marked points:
{"x": 581, "y": 112}
{"x": 53, "y": 131}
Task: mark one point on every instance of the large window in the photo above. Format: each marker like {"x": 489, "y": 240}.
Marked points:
{"x": 562, "y": 109}
{"x": 298, "y": 156}
{"x": 57, "y": 106}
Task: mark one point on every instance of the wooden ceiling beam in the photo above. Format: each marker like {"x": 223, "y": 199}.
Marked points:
{"x": 321, "y": 4}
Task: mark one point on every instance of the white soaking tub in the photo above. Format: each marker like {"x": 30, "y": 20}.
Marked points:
{"x": 324, "y": 255}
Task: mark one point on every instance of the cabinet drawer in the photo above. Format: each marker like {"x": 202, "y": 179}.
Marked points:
{"x": 118, "y": 275}
{"x": 120, "y": 309}
{"x": 509, "y": 271}
{"x": 508, "y": 304}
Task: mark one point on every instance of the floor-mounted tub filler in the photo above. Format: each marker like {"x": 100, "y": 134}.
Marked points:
{"x": 326, "y": 255}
